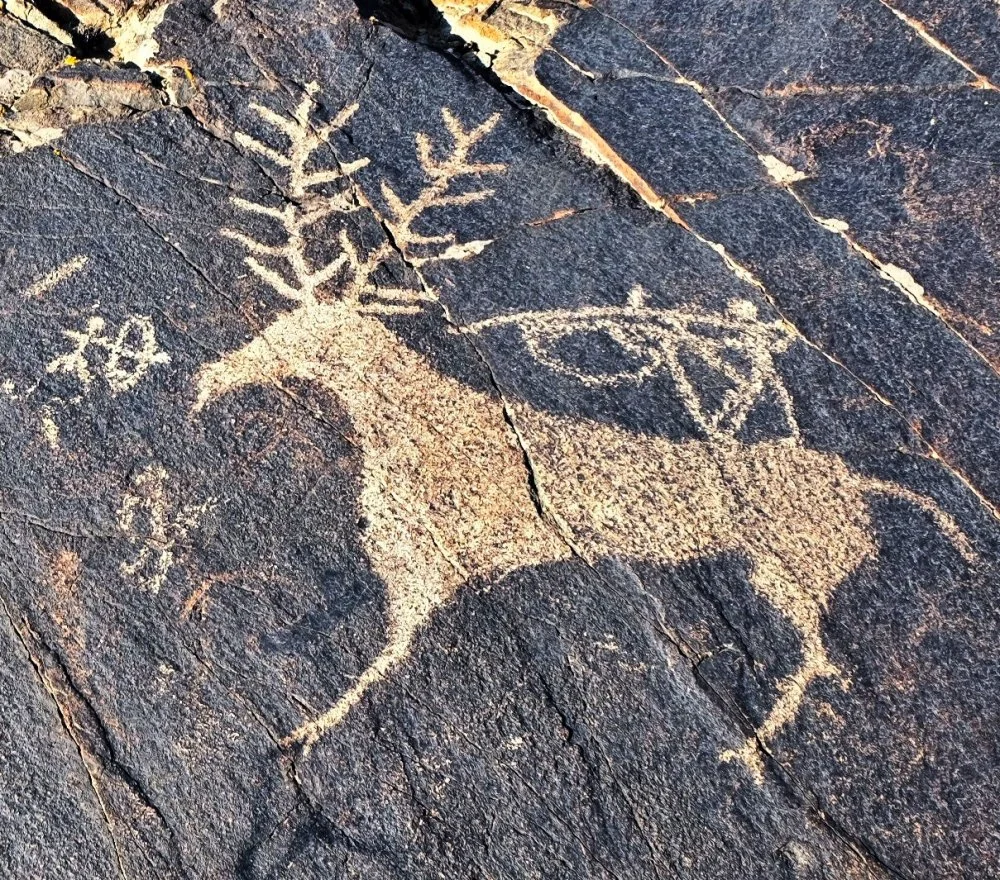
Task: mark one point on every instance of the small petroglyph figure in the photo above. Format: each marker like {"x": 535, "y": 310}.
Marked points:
{"x": 445, "y": 496}
{"x": 155, "y": 527}
{"x": 40, "y": 287}
{"x": 128, "y": 357}
{"x": 737, "y": 344}
{"x": 50, "y": 280}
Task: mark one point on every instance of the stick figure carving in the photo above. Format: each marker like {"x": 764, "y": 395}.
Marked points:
{"x": 128, "y": 357}
{"x": 156, "y": 526}
{"x": 444, "y": 492}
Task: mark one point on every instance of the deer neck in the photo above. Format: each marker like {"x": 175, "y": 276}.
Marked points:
{"x": 377, "y": 378}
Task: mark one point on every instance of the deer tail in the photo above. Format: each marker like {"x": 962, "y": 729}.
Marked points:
{"x": 944, "y": 520}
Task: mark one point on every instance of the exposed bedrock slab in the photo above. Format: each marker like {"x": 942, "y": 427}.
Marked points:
{"x": 497, "y": 442}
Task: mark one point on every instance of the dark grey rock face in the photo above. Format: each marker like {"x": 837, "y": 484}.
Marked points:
{"x": 499, "y": 440}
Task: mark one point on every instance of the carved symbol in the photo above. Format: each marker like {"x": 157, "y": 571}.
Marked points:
{"x": 154, "y": 531}
{"x": 50, "y": 280}
{"x": 41, "y": 286}
{"x": 737, "y": 345}
{"x": 444, "y": 492}
{"x": 129, "y": 356}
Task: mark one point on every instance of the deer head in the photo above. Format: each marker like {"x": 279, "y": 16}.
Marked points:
{"x": 336, "y": 297}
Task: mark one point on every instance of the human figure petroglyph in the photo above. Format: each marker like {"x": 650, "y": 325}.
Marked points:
{"x": 123, "y": 359}
{"x": 444, "y": 491}
{"x": 128, "y": 355}
{"x": 155, "y": 526}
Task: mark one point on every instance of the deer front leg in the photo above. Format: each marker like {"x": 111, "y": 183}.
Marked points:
{"x": 258, "y": 362}
{"x": 772, "y": 580}
{"x": 791, "y": 695}
{"x": 418, "y": 575}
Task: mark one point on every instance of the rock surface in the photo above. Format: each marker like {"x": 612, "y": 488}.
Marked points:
{"x": 500, "y": 440}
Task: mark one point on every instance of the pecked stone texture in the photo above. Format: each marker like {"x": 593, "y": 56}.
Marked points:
{"x": 498, "y": 440}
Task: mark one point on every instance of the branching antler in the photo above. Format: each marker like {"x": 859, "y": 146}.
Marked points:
{"x": 737, "y": 345}
{"x": 306, "y": 207}
{"x": 442, "y": 174}
{"x": 304, "y": 139}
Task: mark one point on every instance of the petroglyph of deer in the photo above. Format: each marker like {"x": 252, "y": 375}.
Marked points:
{"x": 444, "y": 492}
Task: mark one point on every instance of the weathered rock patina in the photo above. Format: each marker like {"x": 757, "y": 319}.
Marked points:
{"x": 520, "y": 439}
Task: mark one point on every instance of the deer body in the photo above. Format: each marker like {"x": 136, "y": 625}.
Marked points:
{"x": 446, "y": 498}
{"x": 446, "y": 495}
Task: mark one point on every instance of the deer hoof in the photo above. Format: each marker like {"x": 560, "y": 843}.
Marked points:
{"x": 303, "y": 738}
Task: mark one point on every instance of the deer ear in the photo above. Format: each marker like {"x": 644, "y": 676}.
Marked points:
{"x": 638, "y": 297}
{"x": 205, "y": 396}
{"x": 210, "y": 384}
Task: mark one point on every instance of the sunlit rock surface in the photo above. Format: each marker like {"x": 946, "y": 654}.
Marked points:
{"x": 500, "y": 440}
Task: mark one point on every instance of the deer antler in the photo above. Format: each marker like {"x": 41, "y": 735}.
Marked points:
{"x": 307, "y": 207}
{"x": 442, "y": 174}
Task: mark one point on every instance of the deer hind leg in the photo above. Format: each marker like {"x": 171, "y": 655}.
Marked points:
{"x": 418, "y": 577}
{"x": 802, "y": 606}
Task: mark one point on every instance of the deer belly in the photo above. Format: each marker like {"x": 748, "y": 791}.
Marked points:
{"x": 627, "y": 494}
{"x": 462, "y": 480}
{"x": 806, "y": 508}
